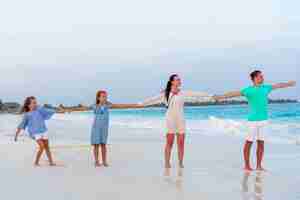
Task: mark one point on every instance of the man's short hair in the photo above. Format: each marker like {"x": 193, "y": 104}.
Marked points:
{"x": 254, "y": 74}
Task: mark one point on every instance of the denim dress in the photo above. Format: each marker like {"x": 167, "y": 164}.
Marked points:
{"x": 101, "y": 124}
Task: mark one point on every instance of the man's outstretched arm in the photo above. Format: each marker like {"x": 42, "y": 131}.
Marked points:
{"x": 283, "y": 85}
{"x": 227, "y": 95}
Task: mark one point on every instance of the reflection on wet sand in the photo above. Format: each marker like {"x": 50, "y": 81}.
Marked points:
{"x": 178, "y": 181}
{"x": 257, "y": 192}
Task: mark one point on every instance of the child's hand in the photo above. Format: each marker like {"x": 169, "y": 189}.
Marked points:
{"x": 16, "y": 138}
{"x": 61, "y": 110}
{"x": 17, "y": 134}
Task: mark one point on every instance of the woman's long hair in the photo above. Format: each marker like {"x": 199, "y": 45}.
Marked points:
{"x": 169, "y": 86}
{"x": 25, "y": 108}
{"x": 99, "y": 93}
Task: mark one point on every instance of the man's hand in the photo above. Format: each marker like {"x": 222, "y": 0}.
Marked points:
{"x": 292, "y": 83}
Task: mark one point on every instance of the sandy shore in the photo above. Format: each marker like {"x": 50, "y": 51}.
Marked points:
{"x": 213, "y": 170}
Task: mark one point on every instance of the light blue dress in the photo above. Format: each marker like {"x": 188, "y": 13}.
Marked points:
{"x": 34, "y": 121}
{"x": 101, "y": 124}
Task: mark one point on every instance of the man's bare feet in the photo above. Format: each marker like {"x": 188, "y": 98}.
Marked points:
{"x": 167, "y": 165}
{"x": 105, "y": 164}
{"x": 181, "y": 165}
{"x": 248, "y": 169}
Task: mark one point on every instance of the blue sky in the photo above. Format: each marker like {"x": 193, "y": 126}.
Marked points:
{"x": 63, "y": 51}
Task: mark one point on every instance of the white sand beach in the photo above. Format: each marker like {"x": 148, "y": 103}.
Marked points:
{"x": 213, "y": 169}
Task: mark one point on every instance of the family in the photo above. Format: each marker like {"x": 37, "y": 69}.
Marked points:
{"x": 174, "y": 98}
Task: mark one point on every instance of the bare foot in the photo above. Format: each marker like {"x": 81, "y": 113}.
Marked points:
{"x": 167, "y": 165}
{"x": 167, "y": 172}
{"x": 181, "y": 165}
{"x": 105, "y": 164}
{"x": 97, "y": 164}
{"x": 37, "y": 164}
{"x": 261, "y": 169}
{"x": 52, "y": 164}
{"x": 248, "y": 169}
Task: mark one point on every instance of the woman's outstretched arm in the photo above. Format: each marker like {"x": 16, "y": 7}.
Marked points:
{"x": 154, "y": 100}
{"x": 195, "y": 94}
{"x": 227, "y": 95}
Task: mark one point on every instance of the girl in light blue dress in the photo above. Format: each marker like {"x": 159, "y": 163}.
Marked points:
{"x": 34, "y": 121}
{"x": 99, "y": 131}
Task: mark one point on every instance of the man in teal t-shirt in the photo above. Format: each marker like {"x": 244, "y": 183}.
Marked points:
{"x": 257, "y": 96}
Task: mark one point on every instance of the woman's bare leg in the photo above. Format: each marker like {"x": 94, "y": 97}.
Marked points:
{"x": 39, "y": 152}
{"x": 48, "y": 152}
{"x": 96, "y": 155}
{"x": 104, "y": 155}
{"x": 168, "y": 149}
{"x": 180, "y": 146}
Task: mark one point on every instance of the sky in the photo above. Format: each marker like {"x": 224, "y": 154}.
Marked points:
{"x": 64, "y": 51}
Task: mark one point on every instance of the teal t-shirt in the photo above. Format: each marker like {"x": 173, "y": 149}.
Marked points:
{"x": 257, "y": 97}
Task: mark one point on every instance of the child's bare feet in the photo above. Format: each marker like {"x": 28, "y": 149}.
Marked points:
{"x": 52, "y": 164}
{"x": 37, "y": 164}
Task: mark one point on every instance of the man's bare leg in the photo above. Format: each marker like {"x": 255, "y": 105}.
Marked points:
{"x": 260, "y": 155}
{"x": 247, "y": 150}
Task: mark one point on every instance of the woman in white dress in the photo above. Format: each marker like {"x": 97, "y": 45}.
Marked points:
{"x": 174, "y": 99}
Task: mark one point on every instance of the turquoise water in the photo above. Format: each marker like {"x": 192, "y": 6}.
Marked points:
{"x": 226, "y": 120}
{"x": 278, "y": 112}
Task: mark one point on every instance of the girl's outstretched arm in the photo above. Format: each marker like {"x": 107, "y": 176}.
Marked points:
{"x": 124, "y": 106}
{"x": 22, "y": 126}
{"x": 79, "y": 109}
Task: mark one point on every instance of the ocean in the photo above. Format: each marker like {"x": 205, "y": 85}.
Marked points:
{"x": 227, "y": 120}
{"x": 212, "y": 121}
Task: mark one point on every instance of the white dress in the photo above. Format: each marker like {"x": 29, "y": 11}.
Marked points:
{"x": 175, "y": 120}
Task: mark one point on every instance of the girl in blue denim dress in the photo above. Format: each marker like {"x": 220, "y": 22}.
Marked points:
{"x": 100, "y": 127}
